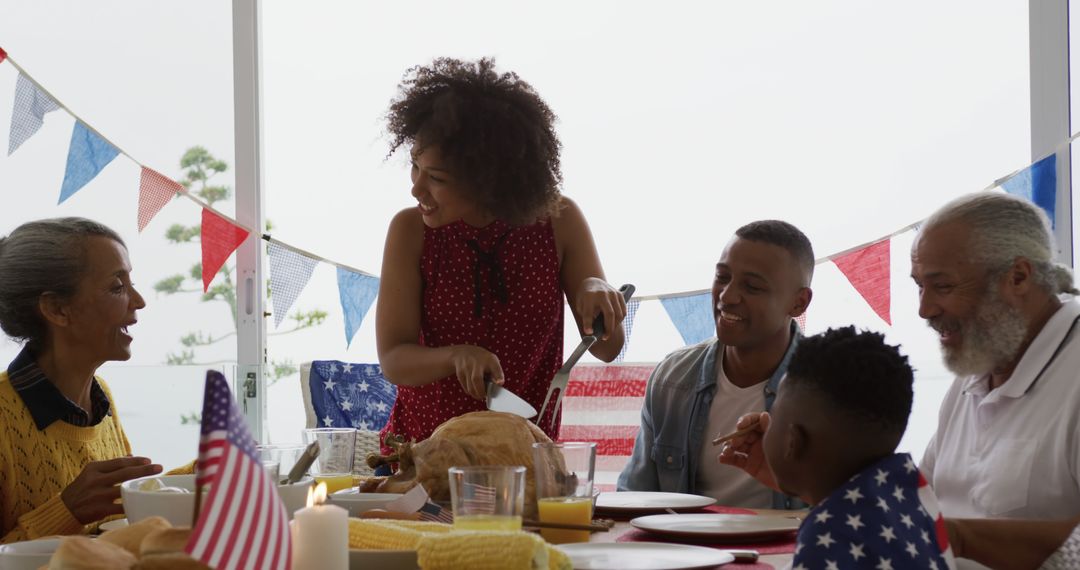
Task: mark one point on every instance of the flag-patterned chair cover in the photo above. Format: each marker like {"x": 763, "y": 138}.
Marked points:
{"x": 603, "y": 405}
{"x": 345, "y": 394}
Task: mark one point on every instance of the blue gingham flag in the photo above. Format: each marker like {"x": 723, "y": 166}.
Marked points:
{"x": 886, "y": 518}
{"x": 350, "y": 395}
{"x": 627, "y": 327}
{"x": 28, "y": 113}
{"x": 289, "y": 274}
{"x": 357, "y": 292}
{"x": 87, "y": 156}
{"x": 692, "y": 316}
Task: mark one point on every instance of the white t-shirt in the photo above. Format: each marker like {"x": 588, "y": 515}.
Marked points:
{"x": 730, "y": 486}
{"x": 1014, "y": 452}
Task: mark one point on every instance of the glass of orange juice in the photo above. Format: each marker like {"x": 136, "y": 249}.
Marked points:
{"x": 334, "y": 464}
{"x": 487, "y": 497}
{"x": 564, "y": 484}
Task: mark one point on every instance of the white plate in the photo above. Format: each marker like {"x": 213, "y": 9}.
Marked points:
{"x": 718, "y": 526}
{"x": 638, "y": 501}
{"x": 29, "y": 555}
{"x": 642, "y": 556}
{"x": 113, "y": 525}
{"x": 357, "y": 503}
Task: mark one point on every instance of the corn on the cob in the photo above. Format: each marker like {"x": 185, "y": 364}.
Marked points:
{"x": 558, "y": 560}
{"x": 439, "y": 549}
{"x": 482, "y": 550}
{"x": 381, "y": 535}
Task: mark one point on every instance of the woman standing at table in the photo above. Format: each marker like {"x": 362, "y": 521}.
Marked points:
{"x": 66, "y": 292}
{"x": 474, "y": 275}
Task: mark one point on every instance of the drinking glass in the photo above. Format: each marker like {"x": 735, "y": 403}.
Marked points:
{"x": 487, "y": 497}
{"x": 334, "y": 464}
{"x": 564, "y": 484}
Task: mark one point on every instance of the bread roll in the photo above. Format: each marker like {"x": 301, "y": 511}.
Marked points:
{"x": 83, "y": 553}
{"x": 173, "y": 561}
{"x": 130, "y": 537}
{"x": 165, "y": 541}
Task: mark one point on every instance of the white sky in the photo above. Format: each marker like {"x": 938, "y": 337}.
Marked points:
{"x": 680, "y": 122}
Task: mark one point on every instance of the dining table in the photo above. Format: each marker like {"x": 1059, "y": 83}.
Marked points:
{"x": 774, "y": 554}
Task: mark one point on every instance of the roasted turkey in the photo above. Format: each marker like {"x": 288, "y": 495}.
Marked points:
{"x": 477, "y": 438}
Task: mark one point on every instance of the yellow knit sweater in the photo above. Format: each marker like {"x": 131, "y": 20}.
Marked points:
{"x": 36, "y": 465}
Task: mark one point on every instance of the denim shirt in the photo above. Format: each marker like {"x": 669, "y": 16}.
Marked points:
{"x": 674, "y": 417}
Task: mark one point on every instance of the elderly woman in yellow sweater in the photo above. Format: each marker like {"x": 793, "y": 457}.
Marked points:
{"x": 66, "y": 292}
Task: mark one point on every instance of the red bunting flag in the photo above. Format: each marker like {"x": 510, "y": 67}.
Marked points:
{"x": 220, "y": 238}
{"x": 801, "y": 319}
{"x": 868, "y": 271}
{"x": 3, "y": 55}
{"x": 155, "y": 190}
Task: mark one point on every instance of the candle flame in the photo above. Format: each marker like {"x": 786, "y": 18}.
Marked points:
{"x": 316, "y": 495}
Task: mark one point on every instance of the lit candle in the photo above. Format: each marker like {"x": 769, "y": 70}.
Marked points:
{"x": 320, "y": 534}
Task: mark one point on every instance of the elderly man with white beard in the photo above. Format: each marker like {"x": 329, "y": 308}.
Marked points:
{"x": 1008, "y": 437}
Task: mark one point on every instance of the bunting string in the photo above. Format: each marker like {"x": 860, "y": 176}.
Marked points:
{"x": 866, "y": 265}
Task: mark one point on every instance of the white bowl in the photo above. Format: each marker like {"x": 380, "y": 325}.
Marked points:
{"x": 357, "y": 503}
{"x": 178, "y": 507}
{"x": 29, "y": 555}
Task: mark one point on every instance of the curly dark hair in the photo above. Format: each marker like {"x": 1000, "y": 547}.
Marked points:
{"x": 863, "y": 378}
{"x": 494, "y": 129}
{"x": 784, "y": 235}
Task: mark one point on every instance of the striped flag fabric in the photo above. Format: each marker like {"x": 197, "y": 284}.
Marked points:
{"x": 242, "y": 523}
{"x": 603, "y": 405}
{"x": 432, "y": 512}
{"x": 479, "y": 499}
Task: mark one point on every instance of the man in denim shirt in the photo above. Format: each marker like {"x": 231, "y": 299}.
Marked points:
{"x": 762, "y": 283}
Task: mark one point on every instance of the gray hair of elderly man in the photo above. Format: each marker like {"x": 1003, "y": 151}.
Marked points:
{"x": 1003, "y": 228}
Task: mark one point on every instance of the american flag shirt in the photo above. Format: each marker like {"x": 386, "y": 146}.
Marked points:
{"x": 884, "y": 518}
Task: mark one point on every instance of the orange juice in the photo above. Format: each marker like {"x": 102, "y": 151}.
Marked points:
{"x": 567, "y": 510}
{"x": 335, "y": 482}
{"x": 487, "y": 522}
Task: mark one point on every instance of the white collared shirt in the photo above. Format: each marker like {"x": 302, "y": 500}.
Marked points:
{"x": 1014, "y": 452}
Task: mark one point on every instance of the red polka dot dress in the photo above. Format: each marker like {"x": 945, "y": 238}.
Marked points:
{"x": 496, "y": 287}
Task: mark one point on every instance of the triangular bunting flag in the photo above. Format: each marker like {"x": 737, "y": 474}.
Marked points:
{"x": 155, "y": 190}
{"x": 357, "y": 292}
{"x": 220, "y": 238}
{"x": 28, "y": 112}
{"x": 692, "y": 316}
{"x": 1037, "y": 183}
{"x": 868, "y": 271}
{"x": 87, "y": 156}
{"x": 289, "y": 274}
{"x": 3, "y": 55}
{"x": 628, "y": 327}
{"x": 801, "y": 319}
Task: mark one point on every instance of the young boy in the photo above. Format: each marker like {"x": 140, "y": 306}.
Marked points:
{"x": 830, "y": 440}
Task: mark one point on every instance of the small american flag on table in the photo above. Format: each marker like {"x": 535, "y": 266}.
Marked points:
{"x": 242, "y": 522}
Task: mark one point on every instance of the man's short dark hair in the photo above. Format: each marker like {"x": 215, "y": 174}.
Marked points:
{"x": 785, "y": 235}
{"x": 862, "y": 376}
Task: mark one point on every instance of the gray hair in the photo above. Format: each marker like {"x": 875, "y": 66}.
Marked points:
{"x": 43, "y": 256}
{"x": 1003, "y": 228}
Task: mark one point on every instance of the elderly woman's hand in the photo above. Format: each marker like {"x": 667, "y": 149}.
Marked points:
{"x": 92, "y": 495}
{"x": 596, "y": 297}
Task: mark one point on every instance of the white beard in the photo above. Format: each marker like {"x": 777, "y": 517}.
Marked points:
{"x": 990, "y": 338}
